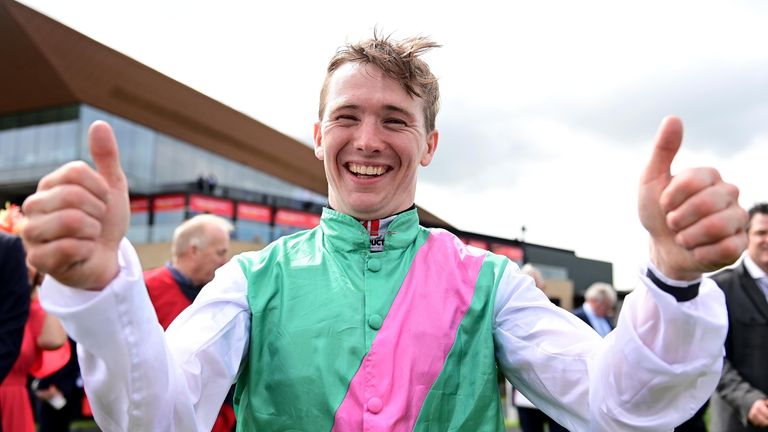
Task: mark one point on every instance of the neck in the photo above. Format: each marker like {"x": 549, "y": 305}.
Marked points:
{"x": 366, "y": 218}
{"x": 182, "y": 267}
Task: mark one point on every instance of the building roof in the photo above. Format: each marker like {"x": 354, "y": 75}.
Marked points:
{"x": 47, "y": 64}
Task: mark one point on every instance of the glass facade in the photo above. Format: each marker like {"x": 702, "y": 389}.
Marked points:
{"x": 34, "y": 143}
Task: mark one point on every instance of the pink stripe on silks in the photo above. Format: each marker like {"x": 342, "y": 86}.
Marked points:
{"x": 410, "y": 349}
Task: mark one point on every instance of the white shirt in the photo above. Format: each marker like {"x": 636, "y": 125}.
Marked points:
{"x": 757, "y": 274}
{"x": 652, "y": 372}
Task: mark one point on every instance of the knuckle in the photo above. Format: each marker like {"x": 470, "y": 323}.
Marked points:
{"x": 730, "y": 249}
{"x": 70, "y": 220}
{"x": 29, "y": 206}
{"x": 673, "y": 221}
{"x": 716, "y": 225}
{"x": 69, "y": 250}
{"x": 73, "y": 196}
{"x": 703, "y": 207}
{"x": 34, "y": 258}
{"x": 46, "y": 182}
{"x": 712, "y": 173}
{"x": 77, "y": 168}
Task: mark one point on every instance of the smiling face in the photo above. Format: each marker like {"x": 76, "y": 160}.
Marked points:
{"x": 372, "y": 140}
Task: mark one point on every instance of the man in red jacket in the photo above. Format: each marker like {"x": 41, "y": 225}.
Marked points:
{"x": 200, "y": 246}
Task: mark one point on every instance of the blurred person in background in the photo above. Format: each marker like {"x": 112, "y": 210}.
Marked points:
{"x": 740, "y": 402}
{"x": 531, "y": 418}
{"x": 14, "y": 296}
{"x": 597, "y": 310}
{"x": 41, "y": 331}
{"x": 59, "y": 395}
{"x": 200, "y": 245}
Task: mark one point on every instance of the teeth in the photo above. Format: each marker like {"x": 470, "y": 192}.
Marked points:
{"x": 366, "y": 170}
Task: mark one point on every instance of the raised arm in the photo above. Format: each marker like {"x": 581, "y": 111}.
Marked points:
{"x": 136, "y": 376}
{"x": 664, "y": 358}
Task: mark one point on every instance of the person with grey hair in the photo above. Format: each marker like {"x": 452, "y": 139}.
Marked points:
{"x": 599, "y": 301}
{"x": 200, "y": 245}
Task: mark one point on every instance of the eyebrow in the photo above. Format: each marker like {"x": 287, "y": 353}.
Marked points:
{"x": 397, "y": 109}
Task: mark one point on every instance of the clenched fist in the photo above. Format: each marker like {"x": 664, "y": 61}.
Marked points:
{"x": 78, "y": 216}
{"x": 694, "y": 218}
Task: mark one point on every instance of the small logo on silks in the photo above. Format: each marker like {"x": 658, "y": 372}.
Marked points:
{"x": 377, "y": 243}
{"x": 376, "y": 230}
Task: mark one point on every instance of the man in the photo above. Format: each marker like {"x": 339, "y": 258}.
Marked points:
{"x": 326, "y": 330}
{"x": 740, "y": 403}
{"x": 14, "y": 306}
{"x": 200, "y": 246}
{"x": 599, "y": 301}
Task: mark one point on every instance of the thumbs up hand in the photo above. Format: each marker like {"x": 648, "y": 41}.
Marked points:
{"x": 694, "y": 219}
{"x": 78, "y": 216}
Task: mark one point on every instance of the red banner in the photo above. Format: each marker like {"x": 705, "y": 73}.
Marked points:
{"x": 206, "y": 204}
{"x": 482, "y": 244}
{"x": 512, "y": 252}
{"x": 163, "y": 203}
{"x": 297, "y": 218}
{"x": 139, "y": 205}
{"x": 254, "y": 212}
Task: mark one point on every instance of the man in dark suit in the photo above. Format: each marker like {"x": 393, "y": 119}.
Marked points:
{"x": 15, "y": 295}
{"x": 599, "y": 301}
{"x": 740, "y": 402}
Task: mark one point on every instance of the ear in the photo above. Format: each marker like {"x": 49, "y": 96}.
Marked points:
{"x": 318, "y": 136}
{"x": 429, "y": 151}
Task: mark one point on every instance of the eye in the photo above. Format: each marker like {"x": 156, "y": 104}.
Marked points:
{"x": 395, "y": 121}
{"x": 346, "y": 117}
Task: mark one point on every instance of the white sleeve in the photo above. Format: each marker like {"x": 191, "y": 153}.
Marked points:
{"x": 140, "y": 379}
{"x": 651, "y": 373}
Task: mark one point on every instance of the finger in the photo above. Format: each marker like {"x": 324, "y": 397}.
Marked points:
{"x": 715, "y": 256}
{"x": 761, "y": 417}
{"x": 713, "y": 228}
{"x": 668, "y": 140}
{"x": 61, "y": 224}
{"x": 686, "y": 184}
{"x": 763, "y": 413}
{"x": 65, "y": 196}
{"x": 57, "y": 258}
{"x": 76, "y": 173}
{"x": 705, "y": 202}
{"x": 105, "y": 154}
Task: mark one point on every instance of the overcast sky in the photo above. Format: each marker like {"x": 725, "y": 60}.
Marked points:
{"x": 549, "y": 108}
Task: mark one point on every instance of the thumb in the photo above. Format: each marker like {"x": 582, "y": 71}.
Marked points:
{"x": 668, "y": 140}
{"x": 105, "y": 154}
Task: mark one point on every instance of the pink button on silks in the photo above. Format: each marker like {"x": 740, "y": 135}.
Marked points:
{"x": 375, "y": 405}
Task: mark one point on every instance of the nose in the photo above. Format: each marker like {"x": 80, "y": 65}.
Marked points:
{"x": 368, "y": 137}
